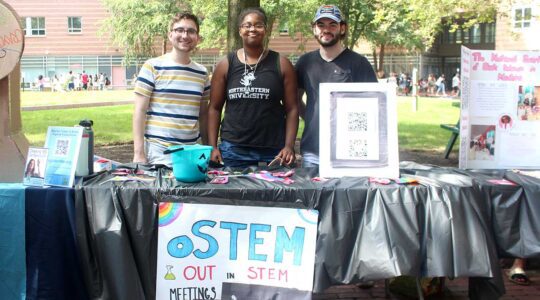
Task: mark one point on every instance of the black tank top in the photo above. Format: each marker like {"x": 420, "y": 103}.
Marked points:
{"x": 254, "y": 111}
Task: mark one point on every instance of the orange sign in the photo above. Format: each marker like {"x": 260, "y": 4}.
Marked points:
{"x": 11, "y": 39}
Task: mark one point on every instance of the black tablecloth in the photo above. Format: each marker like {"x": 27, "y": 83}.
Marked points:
{"x": 443, "y": 227}
{"x": 514, "y": 210}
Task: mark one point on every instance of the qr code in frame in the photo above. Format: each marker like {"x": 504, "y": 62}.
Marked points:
{"x": 357, "y": 121}
{"x": 358, "y": 148}
{"x": 62, "y": 147}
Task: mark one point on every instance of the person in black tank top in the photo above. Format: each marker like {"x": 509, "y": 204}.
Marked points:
{"x": 259, "y": 87}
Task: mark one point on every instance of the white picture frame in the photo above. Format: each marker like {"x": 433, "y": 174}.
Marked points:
{"x": 358, "y": 130}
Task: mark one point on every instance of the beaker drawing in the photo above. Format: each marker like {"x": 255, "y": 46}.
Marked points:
{"x": 169, "y": 275}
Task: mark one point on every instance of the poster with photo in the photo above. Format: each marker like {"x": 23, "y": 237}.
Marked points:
{"x": 500, "y": 109}
{"x": 358, "y": 124}
{"x": 34, "y": 170}
{"x": 208, "y": 251}
{"x": 64, "y": 144}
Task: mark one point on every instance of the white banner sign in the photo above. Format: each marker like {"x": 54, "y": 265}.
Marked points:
{"x": 227, "y": 252}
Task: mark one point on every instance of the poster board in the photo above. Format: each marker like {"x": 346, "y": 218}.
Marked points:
{"x": 229, "y": 252}
{"x": 11, "y": 39}
{"x": 36, "y": 163}
{"x": 13, "y": 144}
{"x": 500, "y": 109}
{"x": 64, "y": 144}
{"x": 358, "y": 130}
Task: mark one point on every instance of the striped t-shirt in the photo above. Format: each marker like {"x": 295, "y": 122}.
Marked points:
{"x": 175, "y": 93}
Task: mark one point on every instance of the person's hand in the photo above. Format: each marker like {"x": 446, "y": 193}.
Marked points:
{"x": 215, "y": 156}
{"x": 287, "y": 155}
{"x": 141, "y": 159}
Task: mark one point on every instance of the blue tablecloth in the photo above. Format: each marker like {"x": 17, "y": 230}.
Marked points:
{"x": 45, "y": 219}
{"x": 12, "y": 242}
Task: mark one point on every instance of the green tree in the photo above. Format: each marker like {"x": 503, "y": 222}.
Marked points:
{"x": 138, "y": 25}
{"x": 292, "y": 14}
{"x": 214, "y": 22}
{"x": 235, "y": 7}
{"x": 414, "y": 24}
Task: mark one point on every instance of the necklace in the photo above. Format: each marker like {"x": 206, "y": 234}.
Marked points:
{"x": 249, "y": 75}
{"x": 253, "y": 69}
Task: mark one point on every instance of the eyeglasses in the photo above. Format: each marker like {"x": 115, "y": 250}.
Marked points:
{"x": 258, "y": 26}
{"x": 182, "y": 30}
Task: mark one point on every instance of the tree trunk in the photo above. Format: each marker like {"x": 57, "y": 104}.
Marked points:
{"x": 375, "y": 65}
{"x": 164, "y": 46}
{"x": 235, "y": 7}
{"x": 345, "y": 7}
{"x": 381, "y": 57}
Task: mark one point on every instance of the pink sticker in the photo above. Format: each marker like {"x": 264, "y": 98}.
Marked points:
{"x": 220, "y": 180}
{"x": 501, "y": 182}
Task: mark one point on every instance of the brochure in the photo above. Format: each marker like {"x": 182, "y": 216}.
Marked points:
{"x": 64, "y": 144}
{"x": 34, "y": 171}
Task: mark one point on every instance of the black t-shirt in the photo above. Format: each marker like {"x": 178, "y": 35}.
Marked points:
{"x": 254, "y": 112}
{"x": 311, "y": 69}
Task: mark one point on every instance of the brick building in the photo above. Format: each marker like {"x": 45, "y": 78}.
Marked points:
{"x": 516, "y": 28}
{"x": 63, "y": 35}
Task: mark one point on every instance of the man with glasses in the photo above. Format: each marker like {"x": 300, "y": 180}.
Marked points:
{"x": 332, "y": 62}
{"x": 171, "y": 96}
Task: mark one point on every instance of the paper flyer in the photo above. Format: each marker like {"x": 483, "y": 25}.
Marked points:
{"x": 64, "y": 144}
{"x": 357, "y": 116}
{"x": 36, "y": 162}
{"x": 500, "y": 109}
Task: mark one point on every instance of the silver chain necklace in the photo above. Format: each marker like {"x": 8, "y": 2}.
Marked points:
{"x": 253, "y": 69}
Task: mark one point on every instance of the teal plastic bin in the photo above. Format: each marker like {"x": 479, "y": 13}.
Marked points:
{"x": 190, "y": 162}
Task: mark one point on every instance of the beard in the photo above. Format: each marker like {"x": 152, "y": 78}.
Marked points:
{"x": 328, "y": 43}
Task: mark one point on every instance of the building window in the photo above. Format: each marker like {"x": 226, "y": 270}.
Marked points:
{"x": 459, "y": 34}
{"x": 34, "y": 26}
{"x": 448, "y": 36}
{"x": 522, "y": 17}
{"x": 466, "y": 33}
{"x": 476, "y": 34}
{"x": 74, "y": 25}
{"x": 490, "y": 33}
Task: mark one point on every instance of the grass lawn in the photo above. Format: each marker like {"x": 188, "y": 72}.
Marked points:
{"x": 112, "y": 124}
{"x": 417, "y": 130}
{"x": 420, "y": 130}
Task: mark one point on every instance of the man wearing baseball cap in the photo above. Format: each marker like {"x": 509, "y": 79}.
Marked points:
{"x": 332, "y": 62}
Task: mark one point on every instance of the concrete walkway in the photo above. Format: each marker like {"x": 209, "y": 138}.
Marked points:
{"x": 454, "y": 289}
{"x": 76, "y": 105}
